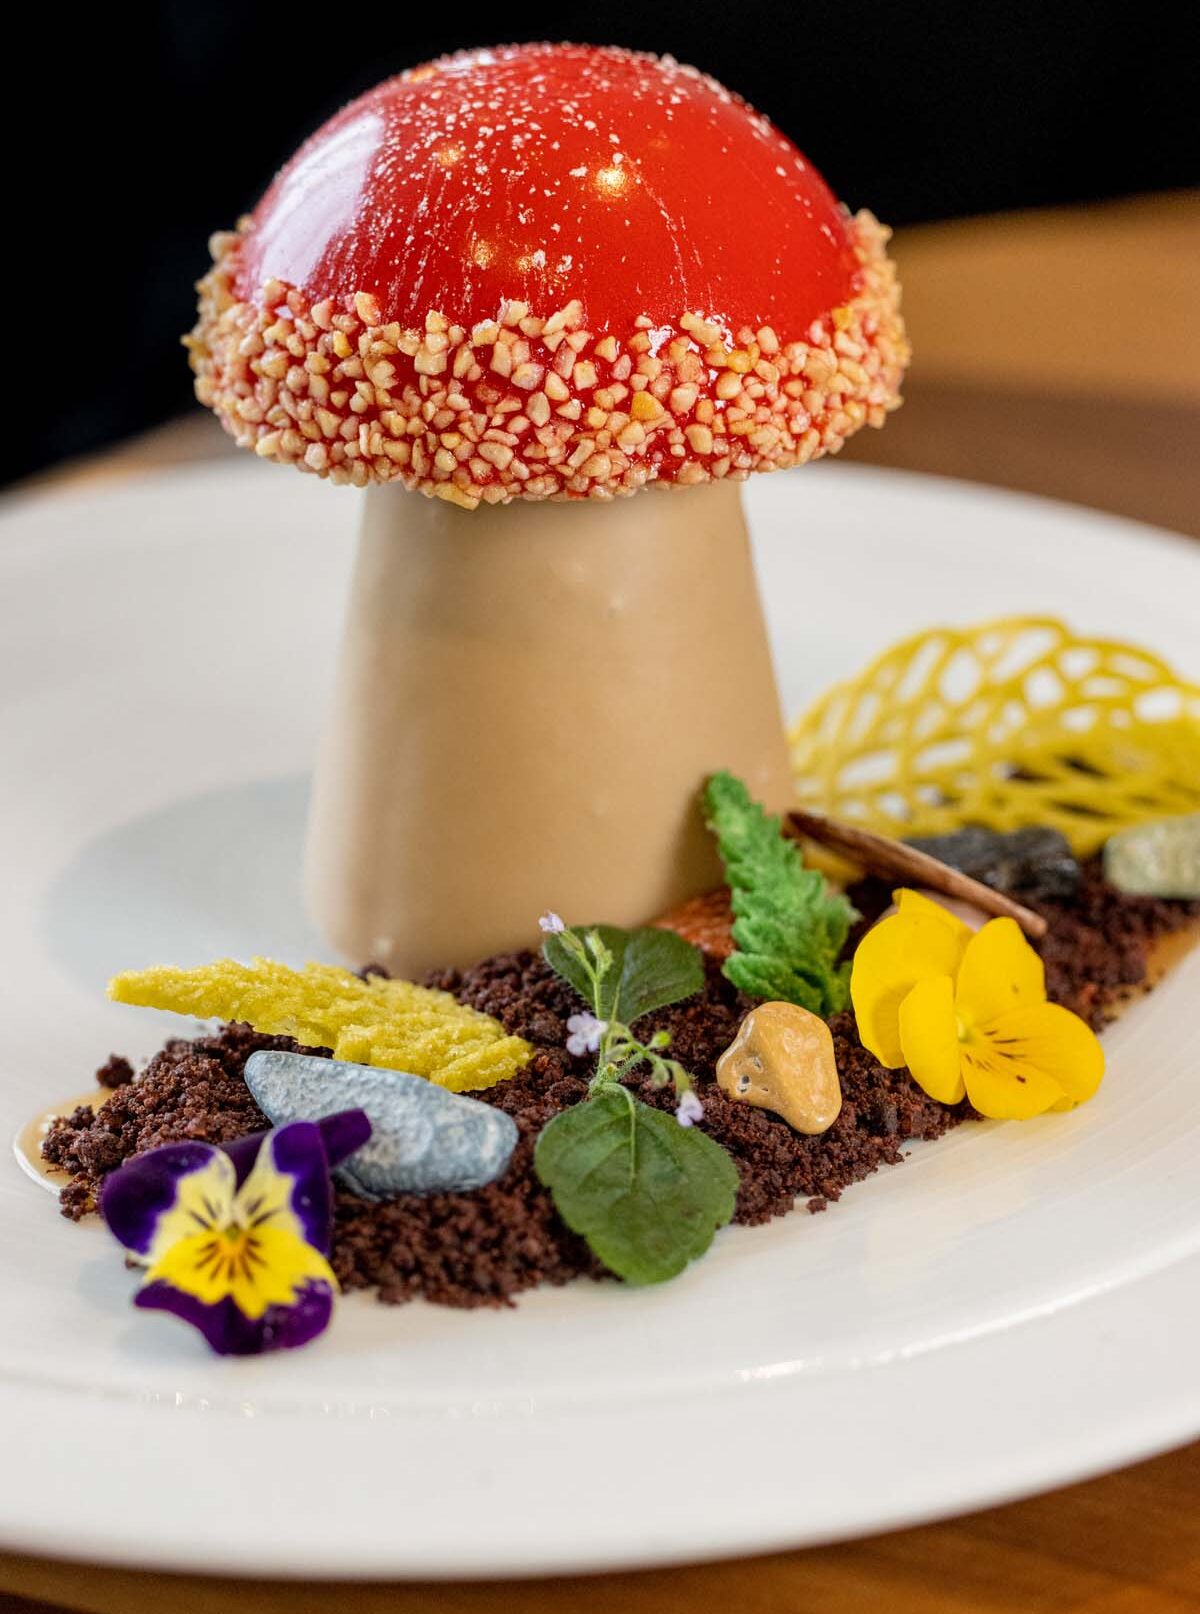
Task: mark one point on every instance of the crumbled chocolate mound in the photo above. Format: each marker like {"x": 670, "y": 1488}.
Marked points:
{"x": 190, "y": 1089}
{"x": 484, "y": 1247}
{"x": 114, "y": 1072}
{"x": 471, "y": 1249}
{"x": 880, "y": 1108}
{"x": 1097, "y": 949}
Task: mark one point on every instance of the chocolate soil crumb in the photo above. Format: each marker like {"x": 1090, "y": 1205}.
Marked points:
{"x": 482, "y": 1248}
{"x": 1097, "y": 947}
{"x": 189, "y": 1090}
{"x": 114, "y": 1072}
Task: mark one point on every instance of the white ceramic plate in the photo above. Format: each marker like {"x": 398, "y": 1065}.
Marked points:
{"x": 1014, "y": 1308}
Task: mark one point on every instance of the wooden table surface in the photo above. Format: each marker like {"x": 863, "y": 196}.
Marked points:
{"x": 1060, "y": 353}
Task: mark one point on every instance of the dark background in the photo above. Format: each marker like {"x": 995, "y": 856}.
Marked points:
{"x": 132, "y": 133}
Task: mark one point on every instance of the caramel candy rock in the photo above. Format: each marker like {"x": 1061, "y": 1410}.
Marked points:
{"x": 782, "y": 1059}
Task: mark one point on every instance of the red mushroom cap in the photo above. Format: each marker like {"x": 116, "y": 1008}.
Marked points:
{"x": 548, "y": 270}
{"x": 544, "y": 173}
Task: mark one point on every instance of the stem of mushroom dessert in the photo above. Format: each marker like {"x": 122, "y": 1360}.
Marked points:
{"x": 528, "y": 700}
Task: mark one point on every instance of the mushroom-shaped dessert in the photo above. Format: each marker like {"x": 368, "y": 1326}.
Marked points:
{"x": 524, "y": 282}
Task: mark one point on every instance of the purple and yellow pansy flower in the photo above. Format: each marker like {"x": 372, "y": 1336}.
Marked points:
{"x": 236, "y": 1240}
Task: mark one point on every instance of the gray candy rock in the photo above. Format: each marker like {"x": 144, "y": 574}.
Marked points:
{"x": 1160, "y": 859}
{"x": 424, "y": 1140}
{"x": 1034, "y": 862}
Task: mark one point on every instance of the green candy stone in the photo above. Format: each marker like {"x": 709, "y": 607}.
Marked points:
{"x": 1160, "y": 859}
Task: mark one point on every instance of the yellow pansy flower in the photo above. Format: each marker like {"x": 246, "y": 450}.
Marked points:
{"x": 967, "y": 1013}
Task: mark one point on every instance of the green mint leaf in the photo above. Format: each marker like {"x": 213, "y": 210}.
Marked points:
{"x": 789, "y": 927}
{"x": 646, "y": 1193}
{"x": 572, "y": 969}
{"x": 650, "y": 969}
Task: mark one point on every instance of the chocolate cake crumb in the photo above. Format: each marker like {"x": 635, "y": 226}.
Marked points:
{"x": 191, "y": 1089}
{"x": 1097, "y": 949}
{"x": 485, "y": 1247}
{"x": 114, "y": 1072}
{"x": 471, "y": 1249}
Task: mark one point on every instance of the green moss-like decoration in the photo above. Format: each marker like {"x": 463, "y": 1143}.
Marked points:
{"x": 789, "y": 927}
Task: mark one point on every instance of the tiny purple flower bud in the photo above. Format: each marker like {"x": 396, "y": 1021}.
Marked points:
{"x": 586, "y": 1032}
{"x": 551, "y": 923}
{"x": 689, "y": 1110}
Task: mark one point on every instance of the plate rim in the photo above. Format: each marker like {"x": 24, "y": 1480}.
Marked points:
{"x": 117, "y": 1540}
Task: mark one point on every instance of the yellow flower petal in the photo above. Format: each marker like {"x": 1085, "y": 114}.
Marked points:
{"x": 929, "y": 1038}
{"x": 1003, "y": 1088}
{"x": 283, "y": 1266}
{"x": 1000, "y": 972}
{"x": 913, "y": 905}
{"x": 256, "y": 1268}
{"x": 265, "y": 1198}
{"x": 919, "y": 940}
{"x": 1053, "y": 1042}
{"x": 203, "y": 1199}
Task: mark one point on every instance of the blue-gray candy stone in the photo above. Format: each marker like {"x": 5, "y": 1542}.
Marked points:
{"x": 1159, "y": 859}
{"x": 424, "y": 1140}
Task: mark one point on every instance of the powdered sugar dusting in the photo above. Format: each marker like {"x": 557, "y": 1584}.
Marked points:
{"x": 475, "y": 178}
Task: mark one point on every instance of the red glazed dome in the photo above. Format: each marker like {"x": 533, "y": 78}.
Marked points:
{"x": 548, "y": 271}
{"x": 544, "y": 173}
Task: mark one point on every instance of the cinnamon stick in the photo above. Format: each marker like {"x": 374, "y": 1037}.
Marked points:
{"x": 876, "y": 854}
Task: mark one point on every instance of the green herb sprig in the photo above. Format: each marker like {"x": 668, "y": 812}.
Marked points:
{"x": 622, "y": 975}
{"x": 789, "y": 927}
{"x": 643, "y": 1187}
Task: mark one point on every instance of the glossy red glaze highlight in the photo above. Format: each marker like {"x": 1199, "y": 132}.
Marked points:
{"x": 544, "y": 173}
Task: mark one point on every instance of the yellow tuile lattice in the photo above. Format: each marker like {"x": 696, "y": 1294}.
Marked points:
{"x": 375, "y": 1022}
{"x": 1012, "y": 722}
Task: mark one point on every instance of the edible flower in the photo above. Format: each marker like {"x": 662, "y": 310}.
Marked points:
{"x": 585, "y": 1034}
{"x": 235, "y": 1241}
{"x": 551, "y": 923}
{"x": 967, "y": 1013}
{"x": 689, "y": 1110}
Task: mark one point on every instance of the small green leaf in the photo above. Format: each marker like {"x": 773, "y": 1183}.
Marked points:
{"x": 571, "y": 968}
{"x": 650, "y": 969}
{"x": 646, "y": 1193}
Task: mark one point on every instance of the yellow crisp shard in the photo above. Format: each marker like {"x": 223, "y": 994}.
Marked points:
{"x": 1013, "y": 722}
{"x": 375, "y": 1022}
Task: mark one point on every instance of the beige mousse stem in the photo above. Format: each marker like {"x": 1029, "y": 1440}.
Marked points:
{"x": 529, "y": 699}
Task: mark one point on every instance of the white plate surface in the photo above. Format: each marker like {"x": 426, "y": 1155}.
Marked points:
{"x": 1016, "y": 1307}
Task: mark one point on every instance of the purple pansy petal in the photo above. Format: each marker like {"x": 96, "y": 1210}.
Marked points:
{"x": 230, "y": 1332}
{"x": 244, "y": 1152}
{"x": 342, "y": 1134}
{"x": 137, "y": 1194}
{"x": 297, "y": 1151}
